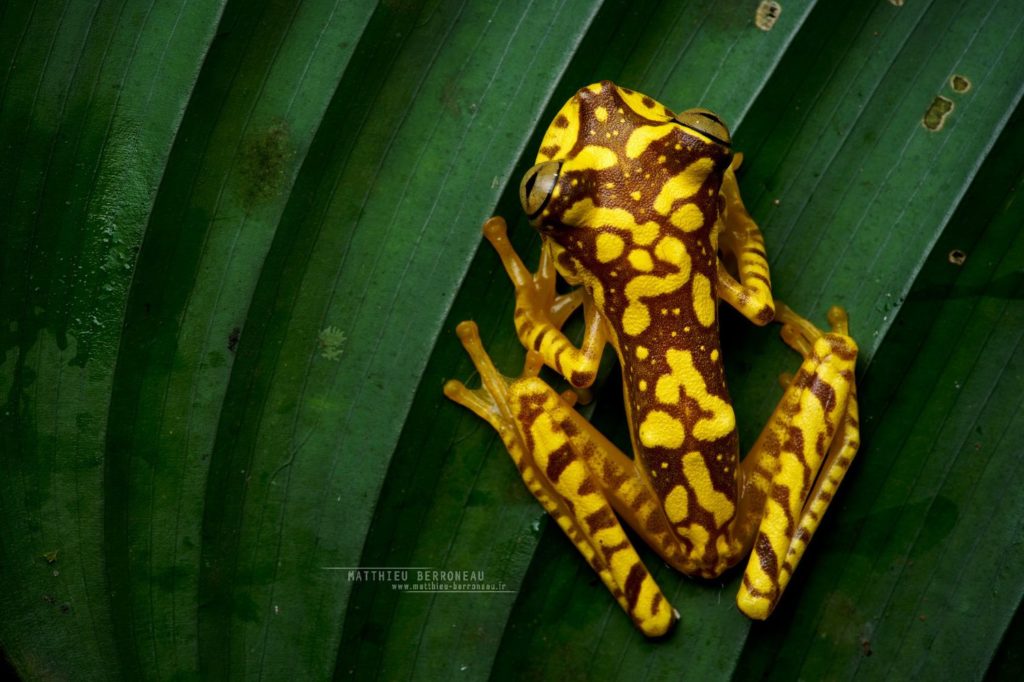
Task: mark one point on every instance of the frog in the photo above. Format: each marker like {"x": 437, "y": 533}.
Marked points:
{"x": 639, "y": 211}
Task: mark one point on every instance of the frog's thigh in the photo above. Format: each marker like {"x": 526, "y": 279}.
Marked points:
{"x": 569, "y": 473}
{"x": 814, "y": 427}
{"x": 568, "y": 467}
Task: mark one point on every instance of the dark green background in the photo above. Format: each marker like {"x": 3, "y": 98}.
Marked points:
{"x": 236, "y": 238}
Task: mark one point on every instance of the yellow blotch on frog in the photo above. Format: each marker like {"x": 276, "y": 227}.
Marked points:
{"x": 703, "y": 302}
{"x": 646, "y": 233}
{"x": 563, "y": 132}
{"x": 642, "y": 352}
{"x": 684, "y": 185}
{"x": 641, "y": 138}
{"x": 697, "y": 475}
{"x": 661, "y": 430}
{"x": 585, "y": 214}
{"x": 641, "y": 260}
{"x": 637, "y": 317}
{"x": 671, "y": 250}
{"x": 687, "y": 217}
{"x": 643, "y": 105}
{"x": 677, "y": 504}
{"x": 592, "y": 157}
{"x": 609, "y": 246}
{"x": 699, "y": 536}
{"x": 667, "y": 390}
{"x": 684, "y": 375}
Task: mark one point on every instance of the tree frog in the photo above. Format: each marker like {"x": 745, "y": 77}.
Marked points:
{"x": 639, "y": 209}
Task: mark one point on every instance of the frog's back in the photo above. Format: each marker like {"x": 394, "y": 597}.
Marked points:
{"x": 632, "y": 218}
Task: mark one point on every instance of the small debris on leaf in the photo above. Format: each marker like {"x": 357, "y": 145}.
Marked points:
{"x": 937, "y": 113}
{"x": 767, "y": 14}
{"x": 960, "y": 84}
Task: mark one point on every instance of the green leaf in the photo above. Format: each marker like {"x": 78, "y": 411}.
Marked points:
{"x": 236, "y": 241}
{"x": 92, "y": 98}
{"x": 917, "y": 560}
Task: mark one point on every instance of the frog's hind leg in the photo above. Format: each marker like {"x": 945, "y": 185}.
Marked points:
{"x": 799, "y": 460}
{"x": 551, "y": 446}
{"x": 841, "y": 453}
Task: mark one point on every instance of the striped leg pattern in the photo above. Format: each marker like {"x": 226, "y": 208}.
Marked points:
{"x": 569, "y": 474}
{"x": 800, "y": 458}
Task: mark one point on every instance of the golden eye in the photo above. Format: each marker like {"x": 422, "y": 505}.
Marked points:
{"x": 705, "y": 123}
{"x": 537, "y": 185}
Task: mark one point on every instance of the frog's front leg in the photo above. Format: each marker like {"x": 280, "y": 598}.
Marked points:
{"x": 576, "y": 474}
{"x": 795, "y": 467}
{"x": 740, "y": 239}
{"x": 540, "y": 313}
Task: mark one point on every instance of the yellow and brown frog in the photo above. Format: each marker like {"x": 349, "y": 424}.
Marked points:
{"x": 639, "y": 208}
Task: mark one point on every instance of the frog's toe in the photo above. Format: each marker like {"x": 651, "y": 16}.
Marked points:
{"x": 796, "y": 338}
{"x": 454, "y": 389}
{"x": 532, "y": 364}
{"x": 839, "y": 320}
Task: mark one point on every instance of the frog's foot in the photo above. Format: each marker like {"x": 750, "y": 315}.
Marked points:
{"x": 801, "y": 457}
{"x": 490, "y": 401}
{"x": 551, "y": 446}
{"x": 800, "y": 334}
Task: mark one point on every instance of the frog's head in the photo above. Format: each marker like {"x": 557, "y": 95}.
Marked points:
{"x": 614, "y": 162}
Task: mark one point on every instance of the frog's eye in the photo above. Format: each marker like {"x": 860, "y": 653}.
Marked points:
{"x": 536, "y": 187}
{"x": 705, "y": 123}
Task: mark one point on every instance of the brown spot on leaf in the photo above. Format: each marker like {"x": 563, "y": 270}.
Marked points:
{"x": 941, "y": 107}
{"x": 960, "y": 84}
{"x": 767, "y": 14}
